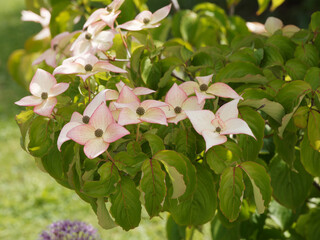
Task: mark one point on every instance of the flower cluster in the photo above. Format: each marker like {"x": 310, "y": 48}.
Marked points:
{"x": 72, "y": 230}
{"x": 104, "y": 118}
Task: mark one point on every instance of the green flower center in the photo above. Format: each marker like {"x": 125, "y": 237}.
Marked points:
{"x": 85, "y": 119}
{"x": 88, "y": 67}
{"x": 88, "y": 36}
{"x": 203, "y": 87}
{"x": 44, "y": 95}
{"x": 55, "y": 47}
{"x": 218, "y": 129}
{"x": 109, "y": 9}
{"x": 146, "y": 20}
{"x": 177, "y": 110}
{"x": 98, "y": 132}
{"x": 140, "y": 111}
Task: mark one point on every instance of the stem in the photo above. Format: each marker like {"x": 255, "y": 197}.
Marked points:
{"x": 137, "y": 135}
{"x": 178, "y": 78}
{"x": 88, "y": 88}
{"x": 124, "y": 42}
{"x": 190, "y": 233}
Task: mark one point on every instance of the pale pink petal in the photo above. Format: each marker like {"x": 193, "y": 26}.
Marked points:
{"x": 191, "y": 104}
{"x": 103, "y": 40}
{"x": 46, "y": 15}
{"x": 29, "y": 101}
{"x": 189, "y": 87}
{"x": 101, "y": 117}
{"x": 110, "y": 18}
{"x": 176, "y": 96}
{"x": 212, "y": 139}
{"x": 95, "y": 103}
{"x": 62, "y": 39}
{"x": 132, "y": 106}
{"x": 114, "y": 132}
{"x": 64, "y": 131}
{"x": 95, "y": 16}
{"x": 133, "y": 25}
{"x": 201, "y": 120}
{"x": 82, "y": 47}
{"x": 49, "y": 56}
{"x": 290, "y": 30}
{"x": 177, "y": 118}
{"x": 142, "y": 91}
{"x": 144, "y": 15}
{"x": 69, "y": 68}
{"x": 46, "y": 107}
{"x": 205, "y": 79}
{"x": 228, "y": 110}
{"x": 105, "y": 66}
{"x": 127, "y": 96}
{"x": 202, "y": 96}
{"x": 76, "y": 117}
{"x": 152, "y": 104}
{"x": 30, "y": 16}
{"x": 111, "y": 95}
{"x": 236, "y": 126}
{"x": 127, "y": 116}
{"x": 154, "y": 115}
{"x": 168, "y": 111}
{"x": 82, "y": 133}
{"x": 87, "y": 59}
{"x": 58, "y": 89}
{"x": 96, "y": 27}
{"x": 160, "y": 14}
{"x": 44, "y": 33}
{"x": 222, "y": 90}
{"x": 273, "y": 24}
{"x": 256, "y": 27}
{"x": 116, "y": 4}
{"x": 42, "y": 81}
{"x": 94, "y": 147}
{"x": 120, "y": 85}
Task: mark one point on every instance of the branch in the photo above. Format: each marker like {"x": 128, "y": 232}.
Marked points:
{"x": 178, "y": 78}
{"x": 176, "y": 5}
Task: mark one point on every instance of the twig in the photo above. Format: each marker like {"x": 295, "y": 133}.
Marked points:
{"x": 178, "y": 78}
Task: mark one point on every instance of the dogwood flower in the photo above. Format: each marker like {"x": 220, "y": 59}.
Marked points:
{"x": 107, "y": 15}
{"x": 178, "y": 102}
{"x": 93, "y": 40}
{"x": 78, "y": 119}
{"x": 146, "y": 19}
{"x": 44, "y": 89}
{"x": 204, "y": 90}
{"x": 97, "y": 135}
{"x": 133, "y": 111}
{"x": 85, "y": 66}
{"x": 214, "y": 127}
{"x": 43, "y": 19}
{"x": 59, "y": 44}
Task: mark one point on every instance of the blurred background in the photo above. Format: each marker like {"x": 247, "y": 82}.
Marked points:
{"x": 30, "y": 199}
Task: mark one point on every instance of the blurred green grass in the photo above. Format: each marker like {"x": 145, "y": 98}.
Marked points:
{"x": 29, "y": 199}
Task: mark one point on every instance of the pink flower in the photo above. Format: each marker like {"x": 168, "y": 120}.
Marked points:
{"x": 204, "y": 90}
{"x": 43, "y": 19}
{"x": 146, "y": 19}
{"x": 178, "y": 102}
{"x": 59, "y": 44}
{"x": 214, "y": 127}
{"x": 44, "y": 89}
{"x": 86, "y": 66}
{"x": 133, "y": 111}
{"x": 93, "y": 40}
{"x": 77, "y": 119}
{"x": 107, "y": 15}
{"x": 97, "y": 135}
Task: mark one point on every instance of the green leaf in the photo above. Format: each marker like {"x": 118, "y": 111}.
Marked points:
{"x": 315, "y": 21}
{"x": 236, "y": 70}
{"x": 109, "y": 176}
{"x": 220, "y": 232}
{"x": 284, "y": 45}
{"x": 263, "y": 4}
{"x": 285, "y": 146}
{"x": 250, "y": 146}
{"x": 308, "y": 54}
{"x": 296, "y": 69}
{"x": 260, "y": 181}
{"x": 308, "y": 224}
{"x": 179, "y": 171}
{"x": 130, "y": 163}
{"x": 222, "y": 156}
{"x": 153, "y": 186}
{"x": 104, "y": 218}
{"x": 314, "y": 129}
{"x": 272, "y": 57}
{"x": 175, "y": 231}
{"x": 231, "y": 192}
{"x": 313, "y": 77}
{"x": 40, "y": 136}
{"x": 310, "y": 158}
{"x": 24, "y": 120}
{"x": 150, "y": 72}
{"x": 290, "y": 187}
{"x": 201, "y": 206}
{"x": 135, "y": 58}
{"x": 282, "y": 216}
{"x": 126, "y": 207}
{"x": 185, "y": 143}
{"x": 52, "y": 163}
{"x": 155, "y": 142}
{"x": 300, "y": 117}
{"x": 276, "y": 4}
{"x": 273, "y": 109}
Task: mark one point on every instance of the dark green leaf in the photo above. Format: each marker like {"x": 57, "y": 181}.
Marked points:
{"x": 314, "y": 129}
{"x": 308, "y": 224}
{"x": 104, "y": 218}
{"x": 155, "y": 142}
{"x": 310, "y": 158}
